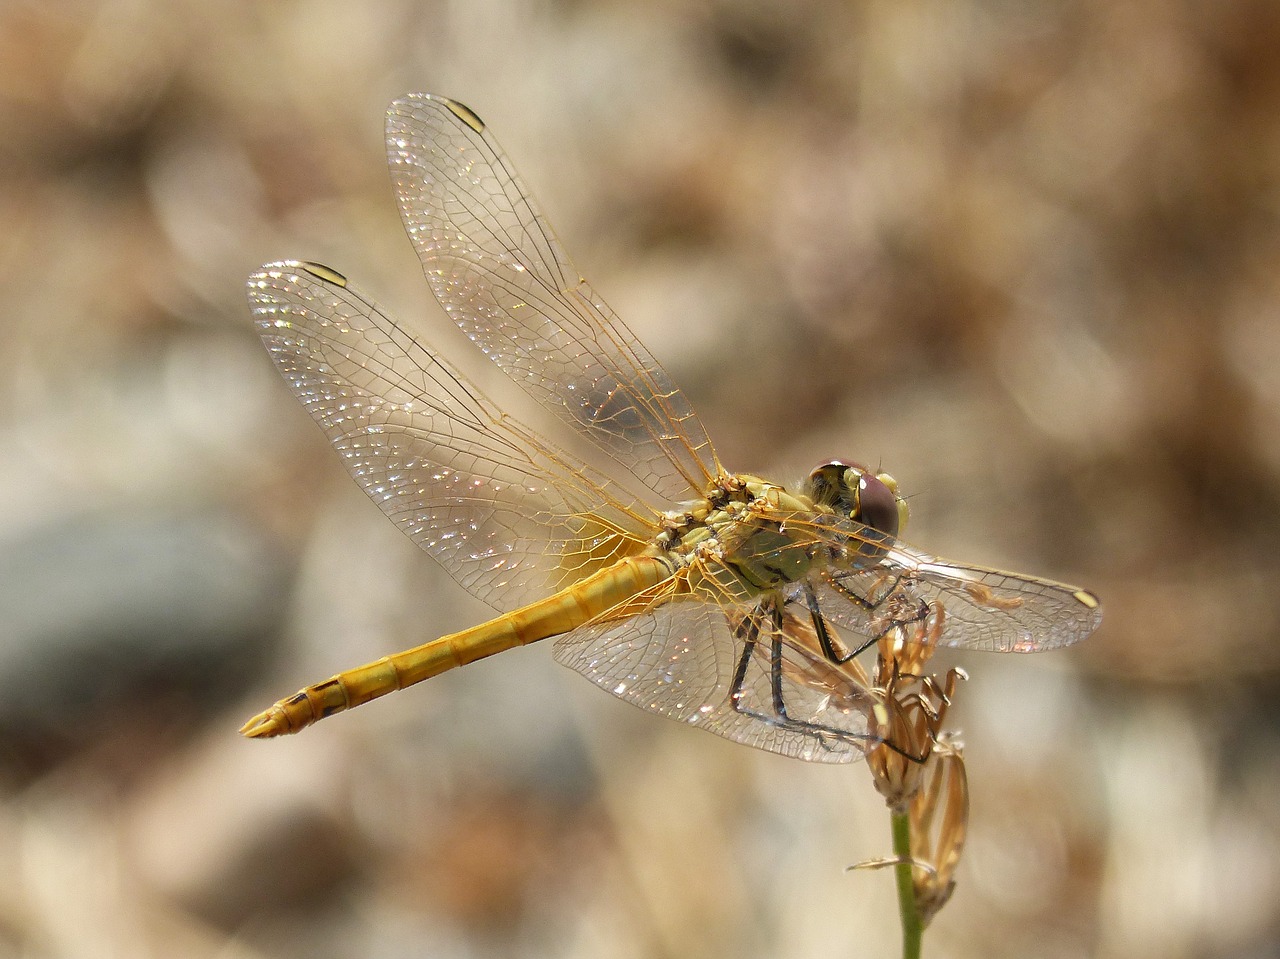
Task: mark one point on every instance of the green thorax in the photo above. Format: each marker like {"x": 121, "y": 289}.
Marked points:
{"x": 747, "y": 536}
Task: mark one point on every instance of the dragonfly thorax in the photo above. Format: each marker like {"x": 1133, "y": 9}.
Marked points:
{"x": 683, "y": 530}
{"x": 747, "y": 535}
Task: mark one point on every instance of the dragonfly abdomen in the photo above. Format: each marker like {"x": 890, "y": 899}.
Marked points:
{"x": 557, "y": 614}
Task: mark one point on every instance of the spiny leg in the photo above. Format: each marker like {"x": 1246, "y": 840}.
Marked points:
{"x": 747, "y": 632}
{"x": 820, "y": 628}
{"x": 775, "y": 664}
{"x": 919, "y": 613}
{"x": 829, "y": 650}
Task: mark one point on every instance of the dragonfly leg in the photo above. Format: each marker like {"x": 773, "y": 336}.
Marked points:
{"x": 918, "y": 613}
{"x": 775, "y": 668}
{"x": 824, "y": 635}
{"x": 820, "y": 731}
{"x": 748, "y": 632}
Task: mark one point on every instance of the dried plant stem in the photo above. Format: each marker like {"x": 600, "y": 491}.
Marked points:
{"x": 912, "y": 926}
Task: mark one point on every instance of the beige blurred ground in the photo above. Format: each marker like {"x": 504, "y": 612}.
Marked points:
{"x": 1025, "y": 255}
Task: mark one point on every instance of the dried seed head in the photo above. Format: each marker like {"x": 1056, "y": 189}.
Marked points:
{"x": 905, "y": 743}
{"x": 911, "y": 707}
{"x": 939, "y": 814}
{"x": 910, "y": 649}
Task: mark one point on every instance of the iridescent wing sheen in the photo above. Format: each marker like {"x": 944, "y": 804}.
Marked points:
{"x": 986, "y": 609}
{"x": 495, "y": 265}
{"x": 509, "y": 515}
{"x": 688, "y": 660}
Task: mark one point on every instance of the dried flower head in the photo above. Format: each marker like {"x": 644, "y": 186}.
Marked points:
{"x": 916, "y": 766}
{"x": 939, "y": 814}
{"x": 910, "y": 709}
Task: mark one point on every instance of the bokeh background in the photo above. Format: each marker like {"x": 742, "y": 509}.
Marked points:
{"x": 1025, "y": 255}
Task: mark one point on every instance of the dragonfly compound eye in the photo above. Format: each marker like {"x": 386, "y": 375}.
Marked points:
{"x": 876, "y": 503}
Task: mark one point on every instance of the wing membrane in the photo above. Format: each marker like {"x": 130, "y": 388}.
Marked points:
{"x": 495, "y": 265}
{"x": 986, "y": 609}
{"x": 510, "y": 516}
{"x": 685, "y": 659}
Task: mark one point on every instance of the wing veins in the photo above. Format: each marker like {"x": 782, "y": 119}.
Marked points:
{"x": 581, "y": 316}
{"x": 486, "y": 422}
{"x": 458, "y": 188}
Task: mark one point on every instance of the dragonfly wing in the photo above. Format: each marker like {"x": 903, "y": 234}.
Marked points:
{"x": 496, "y": 267}
{"x": 688, "y": 659}
{"x": 507, "y": 514}
{"x": 986, "y": 609}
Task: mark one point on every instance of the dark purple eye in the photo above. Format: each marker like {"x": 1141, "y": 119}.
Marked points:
{"x": 877, "y": 506}
{"x": 853, "y": 490}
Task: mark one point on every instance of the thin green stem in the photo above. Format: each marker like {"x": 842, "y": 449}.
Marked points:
{"x": 912, "y": 927}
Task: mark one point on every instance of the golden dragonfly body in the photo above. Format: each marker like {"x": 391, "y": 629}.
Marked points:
{"x": 715, "y": 598}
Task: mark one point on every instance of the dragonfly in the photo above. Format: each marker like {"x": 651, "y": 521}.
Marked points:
{"x": 722, "y": 600}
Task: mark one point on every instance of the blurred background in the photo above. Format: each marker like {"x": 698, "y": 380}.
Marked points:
{"x": 1025, "y": 256}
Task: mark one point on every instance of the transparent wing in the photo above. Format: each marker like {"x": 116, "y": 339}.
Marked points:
{"x": 511, "y": 517}
{"x": 986, "y": 609}
{"x": 715, "y": 667}
{"x": 498, "y": 270}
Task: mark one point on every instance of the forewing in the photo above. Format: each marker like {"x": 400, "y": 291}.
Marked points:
{"x": 986, "y": 609}
{"x": 495, "y": 265}
{"x": 684, "y": 659}
{"x": 507, "y": 514}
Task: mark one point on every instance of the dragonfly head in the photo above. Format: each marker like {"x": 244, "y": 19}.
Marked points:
{"x": 854, "y": 491}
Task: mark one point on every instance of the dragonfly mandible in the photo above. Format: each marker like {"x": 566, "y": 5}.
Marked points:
{"x": 718, "y": 599}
